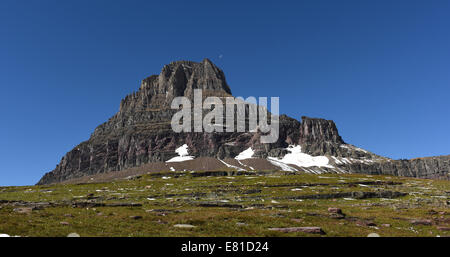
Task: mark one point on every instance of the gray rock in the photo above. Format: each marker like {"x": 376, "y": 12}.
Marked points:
{"x": 334, "y": 210}
{"x": 23, "y": 210}
{"x": 184, "y": 226}
{"x": 422, "y": 222}
{"x": 312, "y": 230}
{"x": 443, "y": 228}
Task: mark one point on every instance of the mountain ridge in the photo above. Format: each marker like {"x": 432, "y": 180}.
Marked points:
{"x": 140, "y": 133}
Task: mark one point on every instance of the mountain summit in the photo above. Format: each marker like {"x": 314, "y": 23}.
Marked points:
{"x": 139, "y": 138}
{"x": 178, "y": 78}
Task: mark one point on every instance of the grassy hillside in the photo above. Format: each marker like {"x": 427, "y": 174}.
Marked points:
{"x": 214, "y": 204}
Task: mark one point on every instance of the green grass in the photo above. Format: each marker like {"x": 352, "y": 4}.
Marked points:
{"x": 178, "y": 200}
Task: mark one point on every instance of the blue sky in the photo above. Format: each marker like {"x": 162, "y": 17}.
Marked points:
{"x": 379, "y": 69}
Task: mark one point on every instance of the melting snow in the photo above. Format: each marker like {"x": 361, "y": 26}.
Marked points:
{"x": 300, "y": 159}
{"x": 182, "y": 151}
{"x": 354, "y": 148}
{"x": 232, "y": 166}
{"x": 336, "y": 160}
{"x": 245, "y": 165}
{"x": 247, "y": 154}
{"x": 278, "y": 163}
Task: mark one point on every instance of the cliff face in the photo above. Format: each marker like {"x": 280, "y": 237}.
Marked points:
{"x": 432, "y": 168}
{"x": 140, "y": 133}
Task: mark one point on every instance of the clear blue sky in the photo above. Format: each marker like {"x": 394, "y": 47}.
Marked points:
{"x": 379, "y": 69}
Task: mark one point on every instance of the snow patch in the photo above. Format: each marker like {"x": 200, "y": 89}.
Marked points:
{"x": 352, "y": 147}
{"x": 182, "y": 152}
{"x": 300, "y": 159}
{"x": 245, "y": 165}
{"x": 283, "y": 166}
{"x": 232, "y": 166}
{"x": 247, "y": 154}
{"x": 336, "y": 160}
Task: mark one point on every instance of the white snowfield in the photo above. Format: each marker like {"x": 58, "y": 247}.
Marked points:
{"x": 300, "y": 159}
{"x": 247, "y": 154}
{"x": 182, "y": 152}
{"x": 4, "y": 235}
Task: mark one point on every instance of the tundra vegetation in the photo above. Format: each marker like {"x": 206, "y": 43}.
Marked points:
{"x": 224, "y": 204}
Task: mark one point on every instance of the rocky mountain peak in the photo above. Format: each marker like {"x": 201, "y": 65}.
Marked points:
{"x": 140, "y": 134}
{"x": 178, "y": 78}
{"x": 319, "y": 130}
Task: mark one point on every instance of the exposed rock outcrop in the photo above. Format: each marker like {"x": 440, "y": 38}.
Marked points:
{"x": 431, "y": 167}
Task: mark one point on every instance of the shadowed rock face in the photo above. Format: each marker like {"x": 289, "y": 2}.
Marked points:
{"x": 140, "y": 133}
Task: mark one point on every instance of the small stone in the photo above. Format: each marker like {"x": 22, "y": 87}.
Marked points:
{"x": 373, "y": 235}
{"x": 312, "y": 230}
{"x": 421, "y": 222}
{"x": 297, "y": 220}
{"x": 135, "y": 177}
{"x": 68, "y": 215}
{"x": 183, "y": 226}
{"x": 65, "y": 223}
{"x": 136, "y": 217}
{"x": 386, "y": 225}
{"x": 337, "y": 216}
{"x": 23, "y": 210}
{"x": 148, "y": 187}
{"x": 443, "y": 228}
{"x": 241, "y": 224}
{"x": 335, "y": 210}
{"x": 73, "y": 235}
{"x": 365, "y": 223}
